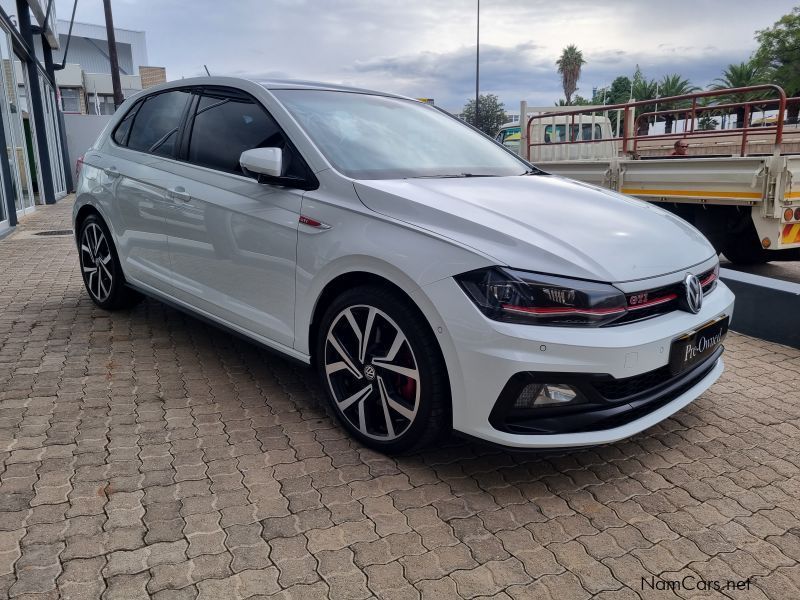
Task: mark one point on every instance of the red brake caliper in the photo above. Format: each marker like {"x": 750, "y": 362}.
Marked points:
{"x": 408, "y": 389}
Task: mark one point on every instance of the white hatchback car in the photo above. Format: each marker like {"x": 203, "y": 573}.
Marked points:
{"x": 433, "y": 278}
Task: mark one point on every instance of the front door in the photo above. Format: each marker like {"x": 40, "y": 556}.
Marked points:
{"x": 232, "y": 240}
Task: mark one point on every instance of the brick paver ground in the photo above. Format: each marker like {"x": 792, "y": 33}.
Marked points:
{"x": 144, "y": 452}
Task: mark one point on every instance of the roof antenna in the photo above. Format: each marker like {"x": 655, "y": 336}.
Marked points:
{"x": 206, "y": 68}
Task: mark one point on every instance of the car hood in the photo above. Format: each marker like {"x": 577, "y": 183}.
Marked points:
{"x": 545, "y": 223}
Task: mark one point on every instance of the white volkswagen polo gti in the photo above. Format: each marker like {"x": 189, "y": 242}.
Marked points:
{"x": 432, "y": 278}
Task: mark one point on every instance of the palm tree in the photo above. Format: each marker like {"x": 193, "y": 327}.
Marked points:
{"x": 742, "y": 75}
{"x": 643, "y": 89}
{"x": 569, "y": 66}
{"x": 674, "y": 85}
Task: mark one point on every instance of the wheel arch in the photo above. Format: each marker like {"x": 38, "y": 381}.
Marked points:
{"x": 413, "y": 295}
{"x": 350, "y": 279}
{"x": 344, "y": 281}
{"x": 83, "y": 212}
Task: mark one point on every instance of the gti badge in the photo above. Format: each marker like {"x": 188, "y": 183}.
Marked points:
{"x": 694, "y": 293}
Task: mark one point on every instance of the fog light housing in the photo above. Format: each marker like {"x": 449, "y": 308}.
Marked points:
{"x": 537, "y": 395}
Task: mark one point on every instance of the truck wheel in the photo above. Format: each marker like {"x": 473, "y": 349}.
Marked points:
{"x": 743, "y": 246}
{"x": 746, "y": 254}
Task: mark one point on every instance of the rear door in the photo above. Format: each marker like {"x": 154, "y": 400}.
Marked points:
{"x": 233, "y": 240}
{"x": 142, "y": 184}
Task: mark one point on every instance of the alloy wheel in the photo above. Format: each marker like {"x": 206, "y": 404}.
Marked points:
{"x": 372, "y": 372}
{"x": 96, "y": 262}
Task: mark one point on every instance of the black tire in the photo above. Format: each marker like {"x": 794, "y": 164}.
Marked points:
{"x": 424, "y": 389}
{"x": 742, "y": 245}
{"x": 100, "y": 267}
{"x": 746, "y": 250}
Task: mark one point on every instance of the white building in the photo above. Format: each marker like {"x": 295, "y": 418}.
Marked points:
{"x": 85, "y": 82}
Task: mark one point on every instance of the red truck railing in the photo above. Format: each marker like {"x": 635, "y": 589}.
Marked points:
{"x": 689, "y": 112}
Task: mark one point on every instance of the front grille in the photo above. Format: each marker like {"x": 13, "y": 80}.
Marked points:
{"x": 647, "y": 304}
{"x": 616, "y": 389}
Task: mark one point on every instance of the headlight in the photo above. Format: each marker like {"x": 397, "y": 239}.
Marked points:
{"x": 522, "y": 297}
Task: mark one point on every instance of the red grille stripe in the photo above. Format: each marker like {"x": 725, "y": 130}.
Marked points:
{"x": 563, "y": 311}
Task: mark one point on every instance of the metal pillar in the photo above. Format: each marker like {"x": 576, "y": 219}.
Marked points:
{"x": 62, "y": 138}
{"x": 478, "y": 68}
{"x": 112, "y": 55}
{"x": 47, "y": 192}
{"x": 8, "y": 187}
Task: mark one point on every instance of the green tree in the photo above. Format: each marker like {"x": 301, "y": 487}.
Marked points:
{"x": 569, "y": 66}
{"x": 744, "y": 74}
{"x": 673, "y": 85}
{"x": 491, "y": 114}
{"x": 779, "y": 53}
{"x": 706, "y": 122}
{"x": 620, "y": 90}
{"x": 577, "y": 101}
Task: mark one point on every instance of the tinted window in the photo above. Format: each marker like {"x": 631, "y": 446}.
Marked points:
{"x": 155, "y": 126}
{"x": 121, "y": 133}
{"x": 225, "y": 127}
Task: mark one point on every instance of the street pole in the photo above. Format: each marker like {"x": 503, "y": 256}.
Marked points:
{"x": 477, "y": 64}
{"x": 112, "y": 55}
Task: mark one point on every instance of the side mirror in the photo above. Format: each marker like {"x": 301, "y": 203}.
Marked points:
{"x": 263, "y": 161}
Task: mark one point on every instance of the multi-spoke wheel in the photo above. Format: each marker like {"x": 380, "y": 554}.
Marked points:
{"x": 100, "y": 267}
{"x": 96, "y": 262}
{"x": 382, "y": 370}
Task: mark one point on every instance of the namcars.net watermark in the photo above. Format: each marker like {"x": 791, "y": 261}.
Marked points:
{"x": 692, "y": 582}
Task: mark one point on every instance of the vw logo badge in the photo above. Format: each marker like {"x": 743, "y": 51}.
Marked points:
{"x": 369, "y": 372}
{"x": 694, "y": 293}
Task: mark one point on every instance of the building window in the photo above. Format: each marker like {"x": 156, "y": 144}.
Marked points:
{"x": 99, "y": 104}
{"x": 70, "y": 100}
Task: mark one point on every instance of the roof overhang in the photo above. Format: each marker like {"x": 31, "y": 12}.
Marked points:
{"x": 44, "y": 21}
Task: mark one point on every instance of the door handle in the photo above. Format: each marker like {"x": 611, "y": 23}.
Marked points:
{"x": 179, "y": 193}
{"x": 112, "y": 172}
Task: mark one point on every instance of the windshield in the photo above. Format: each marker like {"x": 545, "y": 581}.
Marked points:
{"x": 374, "y": 137}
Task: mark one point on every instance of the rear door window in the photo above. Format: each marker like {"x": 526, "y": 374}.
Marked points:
{"x": 156, "y": 124}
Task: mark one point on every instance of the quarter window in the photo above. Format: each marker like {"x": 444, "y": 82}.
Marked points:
{"x": 155, "y": 125}
{"x": 124, "y": 127}
{"x": 224, "y": 127}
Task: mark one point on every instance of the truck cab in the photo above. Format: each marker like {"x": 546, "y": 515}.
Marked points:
{"x": 562, "y": 137}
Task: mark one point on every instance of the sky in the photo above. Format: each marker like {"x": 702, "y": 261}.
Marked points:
{"x": 426, "y": 48}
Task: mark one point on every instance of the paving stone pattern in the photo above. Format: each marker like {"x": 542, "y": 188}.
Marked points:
{"x": 144, "y": 453}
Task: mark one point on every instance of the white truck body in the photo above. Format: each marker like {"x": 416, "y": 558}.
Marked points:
{"x": 719, "y": 193}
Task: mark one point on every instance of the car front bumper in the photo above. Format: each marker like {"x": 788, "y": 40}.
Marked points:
{"x": 484, "y": 355}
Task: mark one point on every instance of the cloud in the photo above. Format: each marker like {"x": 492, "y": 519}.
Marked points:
{"x": 424, "y": 48}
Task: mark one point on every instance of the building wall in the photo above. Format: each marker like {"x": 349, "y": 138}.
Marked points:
{"x": 81, "y": 132}
{"x": 89, "y": 47}
{"x": 92, "y": 55}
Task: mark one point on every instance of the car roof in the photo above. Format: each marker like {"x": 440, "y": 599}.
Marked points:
{"x": 295, "y": 84}
{"x": 270, "y": 84}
